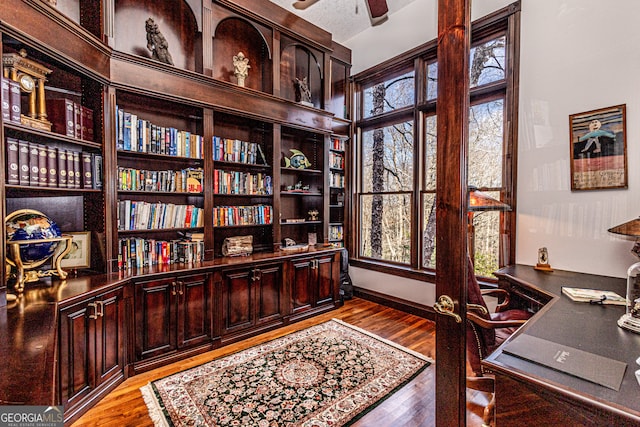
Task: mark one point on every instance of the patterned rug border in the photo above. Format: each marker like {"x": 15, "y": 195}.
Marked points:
{"x": 160, "y": 416}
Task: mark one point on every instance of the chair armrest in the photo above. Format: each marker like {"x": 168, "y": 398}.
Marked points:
{"x": 503, "y": 296}
{"x": 493, "y": 324}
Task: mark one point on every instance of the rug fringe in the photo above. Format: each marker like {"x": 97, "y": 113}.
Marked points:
{"x": 156, "y": 412}
{"x": 386, "y": 341}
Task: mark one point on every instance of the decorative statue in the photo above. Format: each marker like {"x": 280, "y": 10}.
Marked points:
{"x": 157, "y": 44}
{"x": 303, "y": 94}
{"x": 241, "y": 67}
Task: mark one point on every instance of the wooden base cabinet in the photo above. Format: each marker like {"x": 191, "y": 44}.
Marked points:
{"x": 172, "y": 315}
{"x": 91, "y": 350}
{"x": 314, "y": 282}
{"x": 252, "y": 298}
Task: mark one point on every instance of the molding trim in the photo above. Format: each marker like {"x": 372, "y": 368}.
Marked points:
{"x": 397, "y": 303}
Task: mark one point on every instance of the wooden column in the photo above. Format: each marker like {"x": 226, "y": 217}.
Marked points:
{"x": 453, "y": 107}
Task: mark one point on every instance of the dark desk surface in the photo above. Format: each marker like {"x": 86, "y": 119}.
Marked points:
{"x": 591, "y": 328}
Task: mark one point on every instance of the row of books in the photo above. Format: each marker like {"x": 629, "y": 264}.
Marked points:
{"x": 188, "y": 180}
{"x": 337, "y": 144}
{"x": 336, "y": 232}
{"x": 140, "y": 135}
{"x": 140, "y": 215}
{"x": 234, "y": 182}
{"x": 242, "y": 215}
{"x": 336, "y": 180}
{"x": 336, "y": 160}
{"x": 137, "y": 252}
{"x": 235, "y": 150}
{"x": 40, "y": 165}
{"x": 70, "y": 118}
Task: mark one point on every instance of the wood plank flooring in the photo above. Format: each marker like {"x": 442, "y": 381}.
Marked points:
{"x": 413, "y": 405}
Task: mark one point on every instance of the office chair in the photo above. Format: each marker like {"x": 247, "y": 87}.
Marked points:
{"x": 485, "y": 332}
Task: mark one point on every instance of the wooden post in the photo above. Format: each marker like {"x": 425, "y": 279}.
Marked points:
{"x": 454, "y": 27}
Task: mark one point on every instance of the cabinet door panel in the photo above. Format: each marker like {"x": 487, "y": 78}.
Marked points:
{"x": 324, "y": 269}
{"x": 110, "y": 339}
{"x": 75, "y": 347}
{"x": 302, "y": 286}
{"x": 194, "y": 310}
{"x": 238, "y": 299}
{"x": 155, "y": 311}
{"x": 268, "y": 293}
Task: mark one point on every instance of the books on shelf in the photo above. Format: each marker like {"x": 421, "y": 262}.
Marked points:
{"x": 245, "y": 183}
{"x": 138, "y": 252}
{"x": 336, "y": 180}
{"x": 136, "y": 134}
{"x": 188, "y": 180}
{"x": 39, "y": 165}
{"x": 224, "y": 216}
{"x": 235, "y": 150}
{"x": 594, "y": 296}
{"x": 141, "y": 215}
{"x": 70, "y": 118}
{"x": 337, "y": 144}
{"x": 336, "y": 160}
{"x": 336, "y": 232}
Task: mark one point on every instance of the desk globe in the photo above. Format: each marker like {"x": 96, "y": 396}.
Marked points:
{"x": 32, "y": 239}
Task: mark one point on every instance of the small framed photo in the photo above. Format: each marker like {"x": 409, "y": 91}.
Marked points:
{"x": 599, "y": 149}
{"x": 312, "y": 239}
{"x": 80, "y": 255}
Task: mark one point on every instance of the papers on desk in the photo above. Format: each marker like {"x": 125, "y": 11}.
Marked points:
{"x": 593, "y": 296}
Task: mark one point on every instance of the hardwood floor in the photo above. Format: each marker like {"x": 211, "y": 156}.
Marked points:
{"x": 413, "y": 405}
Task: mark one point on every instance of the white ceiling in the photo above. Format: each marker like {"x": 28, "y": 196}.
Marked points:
{"x": 342, "y": 18}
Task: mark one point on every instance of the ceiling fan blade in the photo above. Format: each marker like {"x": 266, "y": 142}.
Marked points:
{"x": 303, "y": 4}
{"x": 377, "y": 8}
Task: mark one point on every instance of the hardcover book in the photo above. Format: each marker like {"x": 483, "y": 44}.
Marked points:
{"x": 34, "y": 168}
{"x": 43, "y": 173}
{"x": 23, "y": 162}
{"x": 6, "y": 103}
{"x": 87, "y": 170}
{"x": 14, "y": 101}
{"x": 13, "y": 169}
{"x": 97, "y": 171}
{"x": 62, "y": 168}
{"x": 60, "y": 113}
{"x": 71, "y": 178}
{"x": 52, "y": 166}
{"x": 77, "y": 170}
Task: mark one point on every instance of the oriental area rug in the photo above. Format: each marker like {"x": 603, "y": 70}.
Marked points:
{"x": 326, "y": 375}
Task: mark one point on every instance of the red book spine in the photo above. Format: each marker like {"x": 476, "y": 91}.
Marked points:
{"x": 62, "y": 167}
{"x": 52, "y": 166}
{"x": 77, "y": 170}
{"x": 62, "y": 117}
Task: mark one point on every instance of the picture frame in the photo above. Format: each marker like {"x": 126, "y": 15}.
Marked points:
{"x": 599, "y": 149}
{"x": 80, "y": 255}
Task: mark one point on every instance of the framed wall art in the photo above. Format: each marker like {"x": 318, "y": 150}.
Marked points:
{"x": 599, "y": 149}
{"x": 80, "y": 255}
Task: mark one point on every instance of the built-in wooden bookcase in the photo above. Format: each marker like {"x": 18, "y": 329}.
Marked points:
{"x": 303, "y": 185}
{"x": 47, "y": 134}
{"x": 160, "y": 179}
{"x": 243, "y": 185}
{"x": 337, "y": 192}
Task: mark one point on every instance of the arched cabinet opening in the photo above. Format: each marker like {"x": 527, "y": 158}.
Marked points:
{"x": 175, "y": 21}
{"x": 300, "y": 62}
{"x": 234, "y": 35}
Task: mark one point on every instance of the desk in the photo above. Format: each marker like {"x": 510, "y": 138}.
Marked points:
{"x": 531, "y": 394}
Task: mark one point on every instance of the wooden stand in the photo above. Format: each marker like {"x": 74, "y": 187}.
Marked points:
{"x": 543, "y": 267}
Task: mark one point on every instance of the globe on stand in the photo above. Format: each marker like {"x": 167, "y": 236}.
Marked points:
{"x": 33, "y": 239}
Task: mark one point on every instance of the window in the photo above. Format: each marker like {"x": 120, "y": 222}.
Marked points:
{"x": 396, "y": 153}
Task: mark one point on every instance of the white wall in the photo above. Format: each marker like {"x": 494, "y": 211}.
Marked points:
{"x": 576, "y": 56}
